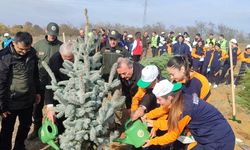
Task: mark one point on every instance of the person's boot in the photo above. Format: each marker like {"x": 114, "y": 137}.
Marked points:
{"x": 34, "y": 133}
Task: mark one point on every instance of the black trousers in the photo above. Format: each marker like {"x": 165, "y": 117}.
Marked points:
{"x": 225, "y": 69}
{"x": 8, "y": 123}
{"x": 37, "y": 111}
{"x": 136, "y": 58}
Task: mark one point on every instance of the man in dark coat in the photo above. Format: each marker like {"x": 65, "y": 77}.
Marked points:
{"x": 129, "y": 73}
{"x": 55, "y": 63}
{"x": 19, "y": 87}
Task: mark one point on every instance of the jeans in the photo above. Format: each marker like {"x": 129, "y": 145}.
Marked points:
{"x": 154, "y": 51}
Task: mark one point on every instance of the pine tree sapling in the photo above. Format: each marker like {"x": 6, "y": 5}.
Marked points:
{"x": 83, "y": 99}
{"x": 243, "y": 91}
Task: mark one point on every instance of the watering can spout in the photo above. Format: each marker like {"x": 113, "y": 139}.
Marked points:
{"x": 124, "y": 140}
{"x": 53, "y": 145}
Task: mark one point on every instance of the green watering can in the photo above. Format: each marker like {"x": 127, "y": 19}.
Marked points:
{"x": 136, "y": 134}
{"x": 48, "y": 132}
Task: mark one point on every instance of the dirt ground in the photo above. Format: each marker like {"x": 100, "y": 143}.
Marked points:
{"x": 221, "y": 99}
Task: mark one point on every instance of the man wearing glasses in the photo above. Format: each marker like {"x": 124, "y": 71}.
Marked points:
{"x": 19, "y": 87}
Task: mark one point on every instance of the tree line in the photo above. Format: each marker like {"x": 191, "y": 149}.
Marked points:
{"x": 204, "y": 28}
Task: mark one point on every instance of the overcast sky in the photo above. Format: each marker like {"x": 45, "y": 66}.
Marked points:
{"x": 233, "y": 13}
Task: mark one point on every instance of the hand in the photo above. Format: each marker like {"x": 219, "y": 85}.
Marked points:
{"x": 150, "y": 123}
{"x": 123, "y": 135}
{"x": 51, "y": 115}
{"x": 138, "y": 113}
{"x": 5, "y": 114}
{"x": 152, "y": 133}
{"x": 147, "y": 144}
{"x": 143, "y": 118}
{"x": 38, "y": 98}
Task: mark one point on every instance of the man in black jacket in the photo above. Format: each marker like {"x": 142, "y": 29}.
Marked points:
{"x": 55, "y": 63}
{"x": 19, "y": 87}
{"x": 129, "y": 73}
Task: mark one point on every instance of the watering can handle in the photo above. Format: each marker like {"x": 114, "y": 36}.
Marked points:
{"x": 127, "y": 122}
{"x": 52, "y": 124}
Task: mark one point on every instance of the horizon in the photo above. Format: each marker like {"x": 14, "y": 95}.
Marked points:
{"x": 128, "y": 12}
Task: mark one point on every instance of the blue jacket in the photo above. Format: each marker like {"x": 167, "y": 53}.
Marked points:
{"x": 207, "y": 124}
{"x": 234, "y": 54}
{"x": 6, "y": 42}
{"x": 181, "y": 49}
{"x": 216, "y": 60}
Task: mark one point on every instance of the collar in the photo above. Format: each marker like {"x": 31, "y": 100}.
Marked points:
{"x": 51, "y": 42}
{"x": 133, "y": 78}
{"x": 192, "y": 74}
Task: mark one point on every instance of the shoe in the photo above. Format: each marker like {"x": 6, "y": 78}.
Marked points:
{"x": 215, "y": 86}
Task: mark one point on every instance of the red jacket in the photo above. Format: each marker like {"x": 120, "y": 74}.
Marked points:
{"x": 138, "y": 48}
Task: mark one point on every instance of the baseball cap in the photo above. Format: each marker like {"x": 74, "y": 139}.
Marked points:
{"x": 130, "y": 36}
{"x": 233, "y": 41}
{"x": 148, "y": 75}
{"x": 114, "y": 34}
{"x": 52, "y": 29}
{"x": 6, "y": 34}
{"x": 248, "y": 46}
{"x": 165, "y": 87}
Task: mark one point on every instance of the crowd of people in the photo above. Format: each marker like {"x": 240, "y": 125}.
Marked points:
{"x": 210, "y": 57}
{"x": 169, "y": 108}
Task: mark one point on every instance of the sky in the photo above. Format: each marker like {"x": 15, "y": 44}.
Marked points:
{"x": 233, "y": 13}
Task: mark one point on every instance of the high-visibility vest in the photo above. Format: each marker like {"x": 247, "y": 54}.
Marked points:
{"x": 154, "y": 41}
{"x": 223, "y": 45}
{"x": 211, "y": 40}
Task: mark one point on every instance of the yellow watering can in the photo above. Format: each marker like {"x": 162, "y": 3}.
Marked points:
{"x": 136, "y": 134}
{"x": 48, "y": 132}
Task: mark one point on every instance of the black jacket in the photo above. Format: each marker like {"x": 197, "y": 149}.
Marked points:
{"x": 55, "y": 63}
{"x": 19, "y": 79}
{"x": 129, "y": 87}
